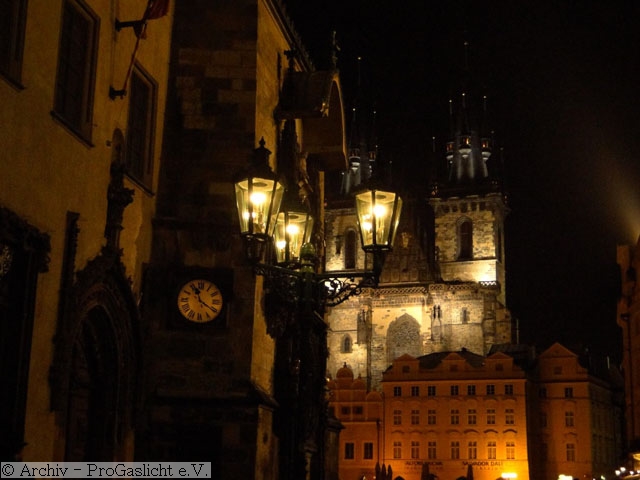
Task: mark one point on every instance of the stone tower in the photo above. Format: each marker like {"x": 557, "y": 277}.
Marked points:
{"x": 442, "y": 287}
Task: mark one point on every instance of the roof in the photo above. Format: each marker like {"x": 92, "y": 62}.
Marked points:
{"x": 432, "y": 360}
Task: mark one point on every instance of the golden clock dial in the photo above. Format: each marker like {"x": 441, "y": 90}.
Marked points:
{"x": 200, "y": 301}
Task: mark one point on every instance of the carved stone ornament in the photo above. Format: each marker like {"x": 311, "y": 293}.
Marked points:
{"x": 101, "y": 286}
{"x": 6, "y": 256}
{"x": 98, "y": 317}
{"x": 19, "y": 235}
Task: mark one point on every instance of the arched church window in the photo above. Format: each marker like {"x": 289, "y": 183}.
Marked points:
{"x": 350, "y": 248}
{"x": 347, "y": 344}
{"x": 465, "y": 240}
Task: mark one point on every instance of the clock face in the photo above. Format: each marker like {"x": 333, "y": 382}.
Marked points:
{"x": 199, "y": 301}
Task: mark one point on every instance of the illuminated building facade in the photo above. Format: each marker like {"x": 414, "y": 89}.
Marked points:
{"x": 448, "y": 410}
{"x": 115, "y": 195}
{"x": 78, "y": 171}
{"x": 629, "y": 321}
{"x": 575, "y": 416}
{"x": 443, "y": 286}
{"x": 434, "y": 343}
{"x": 508, "y": 415}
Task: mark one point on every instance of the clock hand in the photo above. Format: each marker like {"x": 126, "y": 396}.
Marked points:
{"x": 195, "y": 290}
{"x": 206, "y": 305}
{"x": 210, "y": 307}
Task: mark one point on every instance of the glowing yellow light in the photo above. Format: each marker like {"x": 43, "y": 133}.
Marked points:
{"x": 293, "y": 229}
{"x": 280, "y": 244}
{"x": 258, "y": 198}
{"x": 509, "y": 475}
{"x": 379, "y": 210}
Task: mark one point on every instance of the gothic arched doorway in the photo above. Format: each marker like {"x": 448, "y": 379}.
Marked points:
{"x": 93, "y": 391}
{"x": 98, "y": 353}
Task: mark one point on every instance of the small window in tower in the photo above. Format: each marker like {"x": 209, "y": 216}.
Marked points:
{"x": 465, "y": 240}
{"x": 347, "y": 344}
{"x": 350, "y": 249}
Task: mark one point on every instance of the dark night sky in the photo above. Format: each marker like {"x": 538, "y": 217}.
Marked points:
{"x": 563, "y": 84}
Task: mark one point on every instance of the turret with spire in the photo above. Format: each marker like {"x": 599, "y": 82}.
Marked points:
{"x": 469, "y": 145}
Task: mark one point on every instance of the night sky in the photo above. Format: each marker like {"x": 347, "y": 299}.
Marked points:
{"x": 562, "y": 80}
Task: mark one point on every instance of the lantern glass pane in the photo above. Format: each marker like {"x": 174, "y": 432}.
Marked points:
{"x": 293, "y": 229}
{"x": 377, "y": 216}
{"x": 396, "y": 221}
{"x": 258, "y": 201}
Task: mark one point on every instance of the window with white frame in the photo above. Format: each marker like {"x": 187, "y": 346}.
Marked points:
{"x": 491, "y": 450}
{"x": 397, "y": 449}
{"x": 472, "y": 448}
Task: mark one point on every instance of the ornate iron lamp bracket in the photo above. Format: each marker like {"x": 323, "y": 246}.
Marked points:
{"x": 288, "y": 292}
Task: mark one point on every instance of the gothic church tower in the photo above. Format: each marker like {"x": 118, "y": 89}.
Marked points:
{"x": 442, "y": 287}
{"x": 467, "y": 300}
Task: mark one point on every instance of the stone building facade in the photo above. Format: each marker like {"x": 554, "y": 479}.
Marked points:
{"x": 628, "y": 318}
{"x": 442, "y": 287}
{"x": 78, "y": 172}
{"x": 227, "y": 390}
{"x": 116, "y": 195}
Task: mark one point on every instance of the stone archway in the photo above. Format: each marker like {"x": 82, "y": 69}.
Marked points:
{"x": 95, "y": 382}
{"x": 93, "y": 391}
{"x": 403, "y": 337}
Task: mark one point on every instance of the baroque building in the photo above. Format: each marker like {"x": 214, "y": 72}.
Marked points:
{"x": 575, "y": 425}
{"x": 510, "y": 414}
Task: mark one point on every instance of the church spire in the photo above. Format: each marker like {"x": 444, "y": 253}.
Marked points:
{"x": 469, "y": 146}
